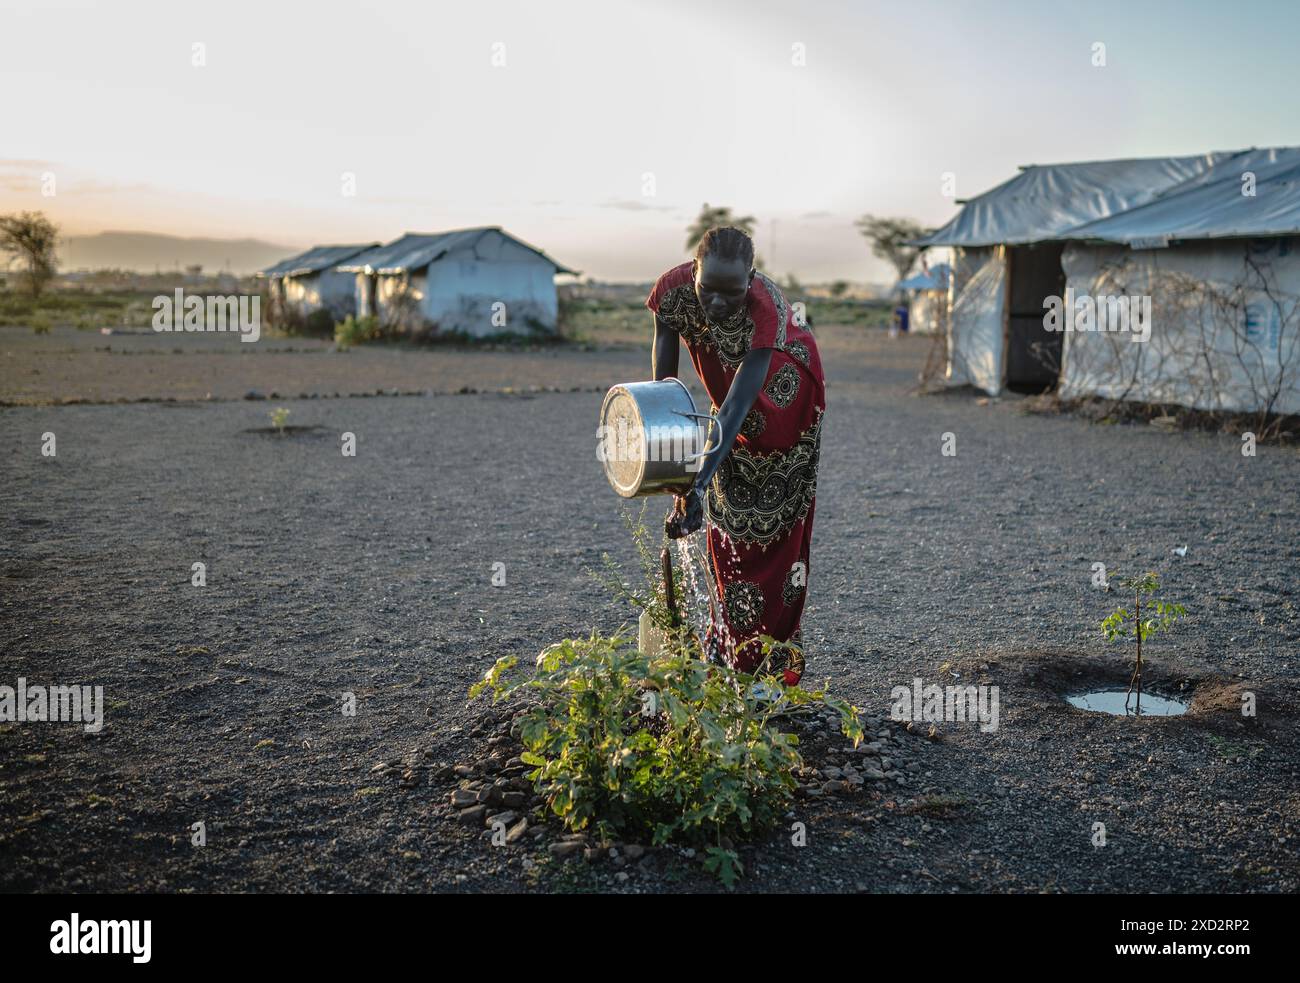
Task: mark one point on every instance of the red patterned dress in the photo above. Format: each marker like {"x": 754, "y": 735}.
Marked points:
{"x": 760, "y": 504}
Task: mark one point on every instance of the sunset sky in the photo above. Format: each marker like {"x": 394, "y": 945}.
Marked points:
{"x": 554, "y": 145}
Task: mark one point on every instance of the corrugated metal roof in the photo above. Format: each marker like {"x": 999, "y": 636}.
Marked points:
{"x": 315, "y": 259}
{"x": 416, "y": 250}
{"x": 1073, "y": 201}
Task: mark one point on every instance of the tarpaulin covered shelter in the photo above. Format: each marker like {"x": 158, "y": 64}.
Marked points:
{"x": 1205, "y": 247}
{"x": 927, "y": 299}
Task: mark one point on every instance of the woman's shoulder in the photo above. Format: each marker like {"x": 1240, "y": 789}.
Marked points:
{"x": 670, "y": 279}
{"x": 778, "y": 324}
{"x": 765, "y": 296}
{"x": 679, "y": 274}
{"x": 769, "y": 310}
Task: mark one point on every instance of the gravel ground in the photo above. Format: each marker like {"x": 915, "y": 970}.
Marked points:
{"x": 372, "y": 575}
{"x": 72, "y": 366}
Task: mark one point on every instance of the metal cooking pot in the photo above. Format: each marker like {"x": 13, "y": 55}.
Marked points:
{"x": 649, "y": 440}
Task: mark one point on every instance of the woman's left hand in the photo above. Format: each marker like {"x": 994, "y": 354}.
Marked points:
{"x": 687, "y": 515}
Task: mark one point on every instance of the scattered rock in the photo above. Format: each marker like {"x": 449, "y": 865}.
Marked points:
{"x": 473, "y": 816}
{"x": 516, "y": 831}
{"x": 563, "y": 849}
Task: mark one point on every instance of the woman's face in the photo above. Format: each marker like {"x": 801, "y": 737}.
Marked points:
{"x": 721, "y": 286}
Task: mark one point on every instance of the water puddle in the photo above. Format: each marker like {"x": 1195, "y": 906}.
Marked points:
{"x": 1112, "y": 701}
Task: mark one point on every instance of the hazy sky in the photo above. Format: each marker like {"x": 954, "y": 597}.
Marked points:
{"x": 556, "y": 144}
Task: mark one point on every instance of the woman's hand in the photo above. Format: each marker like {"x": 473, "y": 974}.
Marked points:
{"x": 687, "y": 515}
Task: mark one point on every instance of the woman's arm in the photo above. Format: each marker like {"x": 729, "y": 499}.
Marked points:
{"x": 740, "y": 400}
{"x": 663, "y": 359}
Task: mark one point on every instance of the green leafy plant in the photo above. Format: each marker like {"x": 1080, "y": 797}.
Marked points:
{"x": 666, "y": 748}
{"x": 1159, "y": 617}
{"x": 279, "y": 417}
{"x": 357, "y": 330}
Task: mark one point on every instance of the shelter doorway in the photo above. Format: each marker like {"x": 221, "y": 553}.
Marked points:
{"x": 1033, "y": 352}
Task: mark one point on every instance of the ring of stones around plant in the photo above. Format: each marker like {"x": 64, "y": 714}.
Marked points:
{"x": 490, "y": 793}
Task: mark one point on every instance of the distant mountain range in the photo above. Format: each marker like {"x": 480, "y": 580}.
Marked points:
{"x": 146, "y": 252}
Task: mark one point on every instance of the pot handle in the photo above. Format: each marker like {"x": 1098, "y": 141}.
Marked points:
{"x": 713, "y": 422}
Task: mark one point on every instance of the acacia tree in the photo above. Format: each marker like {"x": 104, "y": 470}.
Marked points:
{"x": 30, "y": 238}
{"x": 889, "y": 238}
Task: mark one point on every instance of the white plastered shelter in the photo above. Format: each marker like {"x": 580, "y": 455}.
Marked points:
{"x": 311, "y": 281}
{"x": 1211, "y": 242}
{"x": 478, "y": 282}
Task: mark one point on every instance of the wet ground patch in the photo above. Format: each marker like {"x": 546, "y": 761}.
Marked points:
{"x": 1049, "y": 679}
{"x": 312, "y": 430}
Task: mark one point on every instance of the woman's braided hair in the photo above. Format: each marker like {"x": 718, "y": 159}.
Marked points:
{"x": 726, "y": 242}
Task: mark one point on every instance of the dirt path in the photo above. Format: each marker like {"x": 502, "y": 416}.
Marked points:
{"x": 372, "y": 575}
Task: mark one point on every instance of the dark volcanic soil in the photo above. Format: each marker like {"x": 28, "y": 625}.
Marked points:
{"x": 372, "y": 575}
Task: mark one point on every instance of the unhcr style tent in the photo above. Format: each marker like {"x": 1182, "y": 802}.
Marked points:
{"x": 309, "y": 281}
{"x": 479, "y": 281}
{"x": 1200, "y": 254}
{"x": 928, "y": 307}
